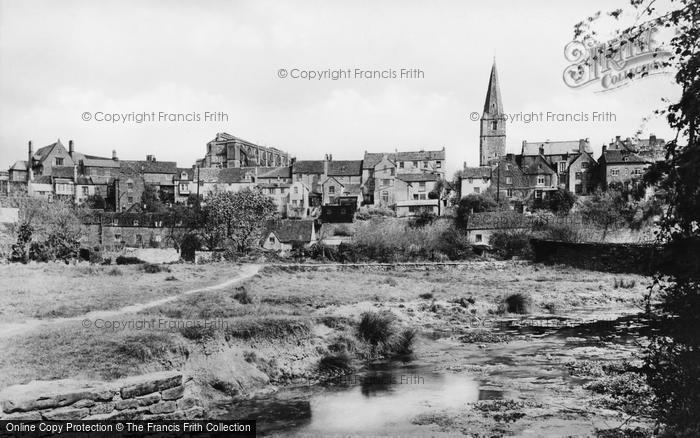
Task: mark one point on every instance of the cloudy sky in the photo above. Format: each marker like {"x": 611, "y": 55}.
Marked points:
{"x": 59, "y": 59}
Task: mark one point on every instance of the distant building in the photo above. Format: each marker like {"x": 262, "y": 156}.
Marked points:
{"x": 228, "y": 151}
{"x": 621, "y": 167}
{"x": 283, "y": 235}
{"x": 492, "y": 136}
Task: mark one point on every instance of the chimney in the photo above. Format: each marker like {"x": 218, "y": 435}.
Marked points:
{"x": 605, "y": 148}
{"x": 541, "y": 149}
{"x": 617, "y": 138}
{"x": 326, "y": 165}
{"x": 70, "y": 148}
{"x": 114, "y": 155}
{"x": 464, "y": 165}
{"x": 30, "y": 153}
{"x": 652, "y": 139}
{"x": 582, "y": 145}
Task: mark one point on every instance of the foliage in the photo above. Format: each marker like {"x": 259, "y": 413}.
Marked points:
{"x": 422, "y": 219}
{"x": 376, "y": 327}
{"x": 473, "y": 203}
{"x": 239, "y": 217}
{"x": 190, "y": 244}
{"x": 558, "y": 202}
{"x": 96, "y": 202}
{"x": 334, "y": 362}
{"x": 20, "y": 250}
{"x": 128, "y": 260}
{"x": 367, "y": 213}
{"x": 151, "y": 201}
{"x": 511, "y": 243}
{"x": 517, "y": 303}
{"x": 672, "y": 364}
{"x": 604, "y": 209}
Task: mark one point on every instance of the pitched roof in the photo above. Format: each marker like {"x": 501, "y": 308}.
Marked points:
{"x": 62, "y": 172}
{"x": 188, "y": 170}
{"x": 277, "y": 172}
{"x": 555, "y": 147}
{"x": 345, "y": 168}
{"x": 417, "y": 177}
{"x": 371, "y": 159}
{"x": 43, "y": 152}
{"x": 228, "y": 175}
{"x": 622, "y": 157}
{"x": 99, "y": 162}
{"x": 289, "y": 230}
{"x": 310, "y": 166}
{"x": 147, "y": 166}
{"x": 475, "y": 172}
{"x": 492, "y": 103}
{"x": 536, "y": 165}
{"x": 20, "y": 165}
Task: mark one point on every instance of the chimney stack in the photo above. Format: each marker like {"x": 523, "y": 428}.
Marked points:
{"x": 30, "y": 153}
{"x": 70, "y": 148}
{"x": 582, "y": 145}
{"x": 652, "y": 139}
{"x": 114, "y": 155}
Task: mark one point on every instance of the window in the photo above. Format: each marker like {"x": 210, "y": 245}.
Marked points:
{"x": 130, "y": 199}
{"x": 415, "y": 196}
{"x": 578, "y": 176}
{"x": 562, "y": 166}
{"x": 298, "y": 176}
{"x": 477, "y": 190}
{"x": 540, "y": 180}
{"x": 509, "y": 180}
{"x": 296, "y": 190}
{"x": 438, "y": 164}
{"x": 415, "y": 164}
{"x": 85, "y": 191}
{"x": 425, "y": 164}
{"x": 494, "y": 125}
{"x": 584, "y": 165}
{"x": 59, "y": 161}
{"x": 272, "y": 239}
{"x": 421, "y": 196}
{"x": 400, "y": 164}
{"x": 331, "y": 189}
{"x": 391, "y": 172}
{"x": 615, "y": 172}
{"x": 478, "y": 238}
{"x": 577, "y": 189}
{"x": 130, "y": 185}
{"x": 136, "y": 222}
{"x": 471, "y": 180}
{"x": 538, "y": 194}
{"x": 117, "y": 237}
{"x": 421, "y": 186}
{"x": 385, "y": 197}
{"x": 509, "y": 193}
{"x": 386, "y": 182}
{"x": 184, "y": 188}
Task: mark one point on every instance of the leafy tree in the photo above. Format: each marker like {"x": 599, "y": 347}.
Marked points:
{"x": 239, "y": 217}
{"x": 558, "y": 202}
{"x": 473, "y": 203}
{"x": 672, "y": 364}
{"x": 604, "y": 209}
{"x": 151, "y": 201}
{"x": 96, "y": 202}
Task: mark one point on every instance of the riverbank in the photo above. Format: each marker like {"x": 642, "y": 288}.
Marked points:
{"x": 271, "y": 333}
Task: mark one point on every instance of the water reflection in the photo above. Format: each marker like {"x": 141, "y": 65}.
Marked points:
{"x": 380, "y": 398}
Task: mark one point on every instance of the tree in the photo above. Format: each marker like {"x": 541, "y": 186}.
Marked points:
{"x": 239, "y": 217}
{"x": 96, "y": 202}
{"x": 672, "y": 363}
{"x": 151, "y": 201}
{"x": 604, "y": 209}
{"x": 558, "y": 202}
{"x": 473, "y": 203}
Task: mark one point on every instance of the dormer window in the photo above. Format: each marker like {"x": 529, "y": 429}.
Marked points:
{"x": 183, "y": 175}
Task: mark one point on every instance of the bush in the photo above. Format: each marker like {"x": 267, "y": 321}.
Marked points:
{"x": 509, "y": 244}
{"x": 198, "y": 332}
{"x": 376, "y": 327}
{"x": 517, "y": 303}
{"x": 335, "y": 362}
{"x": 367, "y": 213}
{"x": 426, "y": 296}
{"x": 563, "y": 233}
{"x": 342, "y": 230}
{"x": 115, "y": 272}
{"x": 402, "y": 344}
{"x": 242, "y": 296}
{"x": 151, "y": 268}
{"x": 190, "y": 244}
{"x": 128, "y": 260}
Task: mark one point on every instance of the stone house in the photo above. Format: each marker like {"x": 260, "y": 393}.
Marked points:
{"x": 621, "y": 167}
{"x": 474, "y": 180}
{"x": 282, "y": 235}
{"x": 581, "y": 174}
{"x": 298, "y": 205}
{"x": 541, "y": 177}
{"x": 558, "y": 154}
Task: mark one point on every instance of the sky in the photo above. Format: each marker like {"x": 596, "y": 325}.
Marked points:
{"x": 62, "y": 59}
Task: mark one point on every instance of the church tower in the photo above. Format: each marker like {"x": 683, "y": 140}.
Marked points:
{"x": 492, "y": 140}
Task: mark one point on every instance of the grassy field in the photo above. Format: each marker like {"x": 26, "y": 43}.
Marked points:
{"x": 266, "y": 314}
{"x": 54, "y": 290}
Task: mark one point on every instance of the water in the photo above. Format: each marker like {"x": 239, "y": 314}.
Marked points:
{"x": 383, "y": 396}
{"x": 387, "y": 396}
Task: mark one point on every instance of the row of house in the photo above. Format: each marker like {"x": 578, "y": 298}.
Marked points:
{"x": 407, "y": 181}
{"x": 543, "y": 167}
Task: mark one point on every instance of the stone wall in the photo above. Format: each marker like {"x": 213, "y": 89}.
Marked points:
{"x": 608, "y": 257}
{"x": 157, "y": 396}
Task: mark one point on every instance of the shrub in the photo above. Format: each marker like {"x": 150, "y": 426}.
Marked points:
{"x": 402, "y": 343}
{"x": 335, "y": 362}
{"x": 128, "y": 260}
{"x": 623, "y": 284}
{"x": 190, "y": 244}
{"x": 342, "y": 230}
{"x": 152, "y": 268}
{"x": 198, "y": 332}
{"x": 115, "y": 272}
{"x": 517, "y": 303}
{"x": 242, "y": 296}
{"x": 426, "y": 296}
{"x": 563, "y": 233}
{"x": 376, "y": 327}
{"x": 171, "y": 278}
{"x": 366, "y": 213}
{"x": 509, "y": 244}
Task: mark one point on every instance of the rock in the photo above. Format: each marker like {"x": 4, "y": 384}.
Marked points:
{"x": 126, "y": 404}
{"x": 24, "y": 416}
{"x": 187, "y": 403}
{"x": 84, "y": 403}
{"x": 102, "y": 408}
{"x": 39, "y": 395}
{"x": 149, "y": 399}
{"x": 68, "y": 413}
{"x": 150, "y": 383}
{"x": 165, "y": 407}
{"x": 173, "y": 393}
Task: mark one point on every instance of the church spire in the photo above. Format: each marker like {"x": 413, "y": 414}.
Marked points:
{"x": 493, "y": 104}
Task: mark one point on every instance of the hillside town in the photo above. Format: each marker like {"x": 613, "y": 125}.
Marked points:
{"x": 407, "y": 182}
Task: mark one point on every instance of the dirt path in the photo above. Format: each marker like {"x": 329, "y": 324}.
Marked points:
{"x": 11, "y": 329}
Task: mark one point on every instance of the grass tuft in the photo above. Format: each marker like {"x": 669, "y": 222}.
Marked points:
{"x": 376, "y": 327}
{"x": 517, "y": 303}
